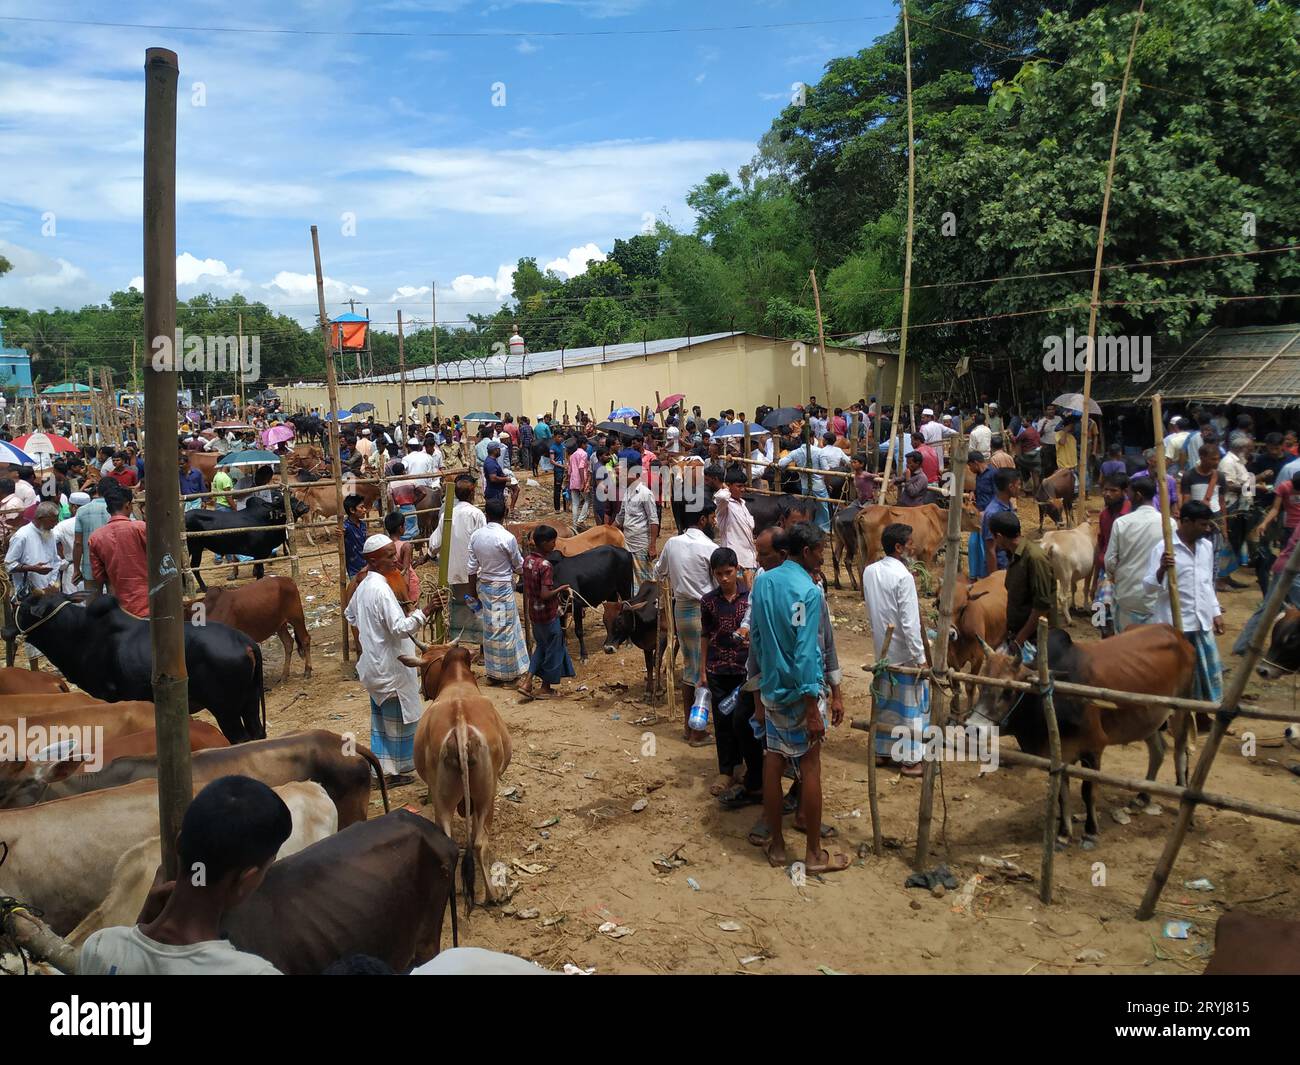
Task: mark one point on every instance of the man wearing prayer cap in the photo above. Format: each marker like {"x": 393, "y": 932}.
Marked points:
{"x": 385, "y": 633}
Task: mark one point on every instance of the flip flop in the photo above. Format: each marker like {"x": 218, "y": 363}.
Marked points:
{"x": 767, "y": 850}
{"x": 736, "y": 798}
{"x": 526, "y": 697}
{"x": 834, "y": 864}
{"x": 827, "y": 832}
{"x": 721, "y": 785}
{"x": 759, "y": 834}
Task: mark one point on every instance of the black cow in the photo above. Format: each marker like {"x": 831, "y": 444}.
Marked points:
{"x": 601, "y": 575}
{"x": 107, "y": 653}
{"x": 768, "y": 511}
{"x": 256, "y": 531}
{"x": 637, "y": 621}
{"x": 310, "y": 427}
{"x": 379, "y": 887}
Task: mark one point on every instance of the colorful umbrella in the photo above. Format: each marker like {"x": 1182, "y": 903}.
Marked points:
{"x": 277, "y": 434}
{"x": 670, "y": 401}
{"x": 44, "y": 444}
{"x": 14, "y": 456}
{"x": 249, "y": 458}
{"x": 624, "y": 412}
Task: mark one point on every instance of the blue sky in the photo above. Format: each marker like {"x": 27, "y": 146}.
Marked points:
{"x": 395, "y": 137}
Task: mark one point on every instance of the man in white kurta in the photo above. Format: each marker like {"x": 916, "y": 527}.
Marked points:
{"x": 384, "y": 632}
{"x": 466, "y": 519}
{"x": 902, "y": 700}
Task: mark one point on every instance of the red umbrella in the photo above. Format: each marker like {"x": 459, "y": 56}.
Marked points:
{"x": 671, "y": 401}
{"x": 45, "y": 444}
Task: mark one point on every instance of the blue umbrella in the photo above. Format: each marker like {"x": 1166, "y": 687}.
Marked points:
{"x": 624, "y": 412}
{"x": 481, "y": 416}
{"x": 255, "y": 457}
{"x": 736, "y": 429}
{"x": 15, "y": 456}
{"x": 343, "y": 415}
{"x": 361, "y": 408}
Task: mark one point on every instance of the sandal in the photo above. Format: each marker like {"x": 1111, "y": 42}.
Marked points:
{"x": 721, "y": 783}
{"x": 736, "y": 798}
{"x": 834, "y": 863}
{"x": 760, "y": 833}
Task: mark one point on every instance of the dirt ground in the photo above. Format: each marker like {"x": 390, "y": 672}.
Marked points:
{"x": 580, "y": 856}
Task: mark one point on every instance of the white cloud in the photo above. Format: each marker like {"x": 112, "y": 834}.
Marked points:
{"x": 295, "y": 286}
{"x": 526, "y": 47}
{"x": 407, "y": 293}
{"x": 472, "y": 289}
{"x": 193, "y": 271}
{"x": 39, "y": 280}
{"x": 699, "y": 78}
{"x": 575, "y": 262}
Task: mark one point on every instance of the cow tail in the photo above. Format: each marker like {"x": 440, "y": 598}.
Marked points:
{"x": 467, "y": 866}
{"x": 369, "y": 756}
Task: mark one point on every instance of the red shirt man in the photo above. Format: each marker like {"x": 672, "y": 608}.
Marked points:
{"x": 122, "y": 473}
{"x": 117, "y": 556}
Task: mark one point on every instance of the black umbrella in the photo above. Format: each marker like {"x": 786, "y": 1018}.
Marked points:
{"x": 622, "y": 430}
{"x": 429, "y": 401}
{"x": 781, "y": 417}
{"x": 361, "y": 408}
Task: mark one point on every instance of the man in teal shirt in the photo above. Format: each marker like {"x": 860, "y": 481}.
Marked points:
{"x": 92, "y": 516}
{"x": 786, "y": 612}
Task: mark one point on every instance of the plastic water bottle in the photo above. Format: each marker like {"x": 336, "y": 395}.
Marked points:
{"x": 699, "y": 718}
{"x": 474, "y": 605}
{"x": 728, "y": 704}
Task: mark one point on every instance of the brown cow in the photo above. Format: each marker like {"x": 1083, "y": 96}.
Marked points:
{"x": 27, "y": 681}
{"x": 596, "y": 536}
{"x": 268, "y": 607}
{"x": 1250, "y": 944}
{"x": 320, "y": 500}
{"x": 979, "y": 618}
{"x": 461, "y": 749}
{"x": 14, "y": 706}
{"x": 1146, "y": 660}
{"x": 523, "y": 531}
{"x": 338, "y": 763}
{"x": 929, "y": 523}
{"x": 1055, "y": 498}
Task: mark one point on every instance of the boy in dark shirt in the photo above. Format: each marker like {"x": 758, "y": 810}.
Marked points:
{"x": 550, "y": 659}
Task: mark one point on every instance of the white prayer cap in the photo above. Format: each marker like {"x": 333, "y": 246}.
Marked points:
{"x": 928, "y": 411}
{"x": 365, "y": 432}
{"x": 375, "y": 543}
{"x": 79, "y": 499}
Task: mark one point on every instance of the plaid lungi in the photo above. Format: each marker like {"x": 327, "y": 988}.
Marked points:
{"x": 690, "y": 631}
{"x": 642, "y": 569}
{"x": 1209, "y": 668}
{"x": 391, "y": 738}
{"x": 505, "y": 655}
{"x": 902, "y": 714}
{"x": 785, "y": 731}
{"x": 465, "y": 624}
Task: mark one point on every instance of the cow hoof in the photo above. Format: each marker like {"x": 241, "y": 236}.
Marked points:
{"x": 1089, "y": 843}
{"x": 1062, "y": 844}
{"x": 609, "y": 650}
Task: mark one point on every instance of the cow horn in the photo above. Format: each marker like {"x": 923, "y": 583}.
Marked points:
{"x": 455, "y": 641}
{"x": 984, "y": 646}
{"x": 422, "y": 647}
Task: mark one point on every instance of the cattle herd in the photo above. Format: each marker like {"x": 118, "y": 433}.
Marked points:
{"x": 382, "y": 886}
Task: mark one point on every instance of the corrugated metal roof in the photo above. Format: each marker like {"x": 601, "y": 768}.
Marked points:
{"x": 507, "y": 367}
{"x": 1254, "y": 366}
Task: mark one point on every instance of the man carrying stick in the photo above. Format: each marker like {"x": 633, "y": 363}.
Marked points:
{"x": 1202, "y": 617}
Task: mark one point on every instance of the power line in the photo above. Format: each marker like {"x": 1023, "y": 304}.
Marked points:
{"x": 448, "y": 34}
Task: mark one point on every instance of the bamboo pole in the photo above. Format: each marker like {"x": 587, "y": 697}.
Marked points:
{"x": 1096, "y": 268}
{"x": 907, "y": 258}
{"x": 821, "y": 343}
{"x": 336, "y": 466}
{"x": 401, "y": 374}
{"x": 1166, "y": 518}
{"x": 1055, "y": 782}
{"x": 1227, "y": 712}
{"x": 163, "y": 527}
{"x": 443, "y": 623}
{"x": 939, "y": 652}
{"x": 288, "y": 516}
{"x": 873, "y": 795}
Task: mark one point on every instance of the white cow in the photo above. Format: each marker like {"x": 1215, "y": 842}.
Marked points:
{"x": 1071, "y": 553}
{"x": 314, "y": 817}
